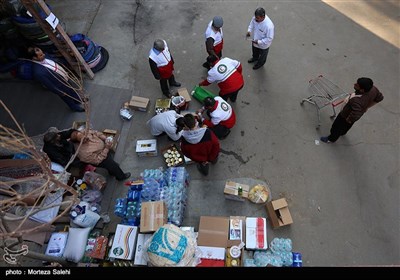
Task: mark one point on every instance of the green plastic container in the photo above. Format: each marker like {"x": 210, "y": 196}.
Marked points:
{"x": 200, "y": 93}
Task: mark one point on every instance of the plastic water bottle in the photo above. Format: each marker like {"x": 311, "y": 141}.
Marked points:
{"x": 297, "y": 261}
{"x": 120, "y": 207}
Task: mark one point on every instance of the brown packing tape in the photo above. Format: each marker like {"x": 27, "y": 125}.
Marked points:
{"x": 152, "y": 218}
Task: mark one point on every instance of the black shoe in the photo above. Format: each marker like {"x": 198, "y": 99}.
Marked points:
{"x": 251, "y": 60}
{"x": 176, "y": 84}
{"x": 226, "y": 135}
{"x": 203, "y": 168}
{"x": 206, "y": 65}
{"x": 127, "y": 175}
{"x": 255, "y": 67}
{"x": 325, "y": 139}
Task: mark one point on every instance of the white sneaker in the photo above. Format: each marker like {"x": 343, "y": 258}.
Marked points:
{"x": 125, "y": 114}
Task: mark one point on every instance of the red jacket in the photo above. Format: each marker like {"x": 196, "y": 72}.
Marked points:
{"x": 233, "y": 83}
{"x": 206, "y": 150}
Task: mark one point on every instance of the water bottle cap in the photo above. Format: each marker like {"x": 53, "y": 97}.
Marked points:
{"x": 79, "y": 181}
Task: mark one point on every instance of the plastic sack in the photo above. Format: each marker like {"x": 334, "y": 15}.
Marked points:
{"x": 82, "y": 216}
{"x": 92, "y": 196}
{"x": 259, "y": 194}
{"x": 170, "y": 246}
{"x": 95, "y": 180}
{"x": 200, "y": 94}
{"x": 76, "y": 244}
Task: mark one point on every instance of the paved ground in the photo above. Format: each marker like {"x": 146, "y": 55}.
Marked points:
{"x": 344, "y": 197}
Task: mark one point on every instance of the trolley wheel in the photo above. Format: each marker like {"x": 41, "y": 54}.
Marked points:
{"x": 302, "y": 102}
{"x": 317, "y": 127}
{"x": 332, "y": 117}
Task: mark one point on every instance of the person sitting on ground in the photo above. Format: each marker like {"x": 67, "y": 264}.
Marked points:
{"x": 221, "y": 114}
{"x": 95, "y": 150}
{"x": 55, "y": 78}
{"x": 58, "y": 147}
{"x": 199, "y": 144}
{"x": 169, "y": 122}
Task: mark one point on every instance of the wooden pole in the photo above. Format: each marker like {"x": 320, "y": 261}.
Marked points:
{"x": 76, "y": 60}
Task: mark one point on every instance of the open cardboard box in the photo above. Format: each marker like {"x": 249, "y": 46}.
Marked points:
{"x": 115, "y": 135}
{"x": 162, "y": 105}
{"x": 278, "y": 213}
{"x": 171, "y": 161}
{"x": 79, "y": 125}
{"x": 231, "y": 191}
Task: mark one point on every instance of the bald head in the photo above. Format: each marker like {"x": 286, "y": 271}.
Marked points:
{"x": 159, "y": 45}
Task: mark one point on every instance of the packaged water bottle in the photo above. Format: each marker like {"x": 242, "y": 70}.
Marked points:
{"x": 297, "y": 261}
{"x": 287, "y": 245}
{"x": 120, "y": 207}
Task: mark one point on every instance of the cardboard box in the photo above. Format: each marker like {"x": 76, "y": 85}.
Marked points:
{"x": 231, "y": 191}
{"x": 185, "y": 94}
{"x": 115, "y": 136}
{"x": 79, "y": 125}
{"x": 146, "y": 148}
{"x": 99, "y": 249}
{"x": 139, "y": 103}
{"x": 233, "y": 224}
{"x": 256, "y": 233}
{"x": 211, "y": 256}
{"x": 172, "y": 157}
{"x": 162, "y": 105}
{"x": 139, "y": 252}
{"x": 153, "y": 215}
{"x": 213, "y": 231}
{"x": 124, "y": 242}
{"x": 237, "y": 228}
{"x": 278, "y": 213}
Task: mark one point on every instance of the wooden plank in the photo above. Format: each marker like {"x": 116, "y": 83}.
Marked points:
{"x": 75, "y": 61}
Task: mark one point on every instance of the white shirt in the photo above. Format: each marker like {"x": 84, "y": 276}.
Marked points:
{"x": 52, "y": 65}
{"x": 222, "y": 70}
{"x": 217, "y": 36}
{"x": 160, "y": 58}
{"x": 263, "y": 32}
{"x": 165, "y": 122}
{"x": 222, "y": 112}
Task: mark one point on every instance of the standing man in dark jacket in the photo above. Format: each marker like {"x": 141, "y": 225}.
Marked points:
{"x": 366, "y": 95}
{"x": 162, "y": 66}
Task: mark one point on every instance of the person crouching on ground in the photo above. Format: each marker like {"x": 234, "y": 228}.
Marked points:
{"x": 169, "y": 122}
{"x": 221, "y": 116}
{"x": 95, "y": 150}
{"x": 199, "y": 144}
